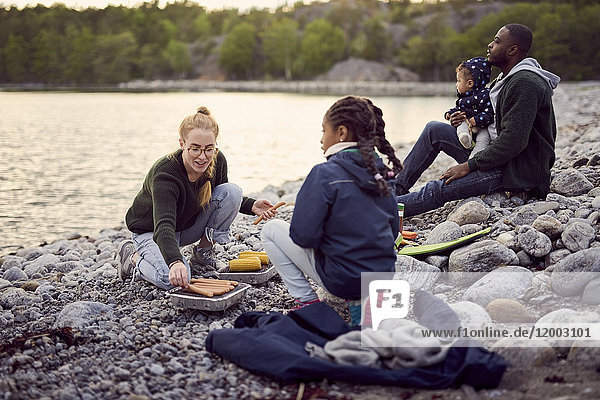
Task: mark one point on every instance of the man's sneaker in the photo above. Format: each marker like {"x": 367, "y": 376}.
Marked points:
{"x": 124, "y": 252}
{"x": 302, "y": 304}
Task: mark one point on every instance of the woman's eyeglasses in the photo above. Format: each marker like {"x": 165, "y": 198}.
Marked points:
{"x": 197, "y": 151}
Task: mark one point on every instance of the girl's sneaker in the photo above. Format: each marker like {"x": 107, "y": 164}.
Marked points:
{"x": 302, "y": 304}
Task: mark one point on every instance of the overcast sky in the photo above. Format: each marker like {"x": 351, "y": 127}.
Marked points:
{"x": 242, "y": 5}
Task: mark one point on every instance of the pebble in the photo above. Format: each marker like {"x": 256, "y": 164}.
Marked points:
{"x": 548, "y": 225}
{"x": 578, "y": 236}
{"x": 444, "y": 232}
{"x": 571, "y": 183}
{"x": 533, "y": 241}
{"x": 472, "y": 212}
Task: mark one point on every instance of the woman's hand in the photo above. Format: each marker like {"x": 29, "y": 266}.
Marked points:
{"x": 178, "y": 275}
{"x": 261, "y": 207}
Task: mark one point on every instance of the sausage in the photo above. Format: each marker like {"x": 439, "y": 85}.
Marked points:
{"x": 275, "y": 207}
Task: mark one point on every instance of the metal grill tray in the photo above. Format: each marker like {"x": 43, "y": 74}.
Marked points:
{"x": 184, "y": 299}
{"x": 266, "y": 272}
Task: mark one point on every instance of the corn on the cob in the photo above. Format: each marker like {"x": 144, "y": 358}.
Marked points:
{"x": 245, "y": 264}
{"x": 264, "y": 259}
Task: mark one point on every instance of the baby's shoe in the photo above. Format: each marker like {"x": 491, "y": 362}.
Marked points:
{"x": 466, "y": 139}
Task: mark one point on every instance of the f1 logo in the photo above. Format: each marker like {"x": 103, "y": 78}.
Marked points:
{"x": 390, "y": 299}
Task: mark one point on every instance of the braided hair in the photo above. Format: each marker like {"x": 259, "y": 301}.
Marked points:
{"x": 365, "y": 120}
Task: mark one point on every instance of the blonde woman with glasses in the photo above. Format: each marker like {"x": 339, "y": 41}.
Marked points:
{"x": 185, "y": 198}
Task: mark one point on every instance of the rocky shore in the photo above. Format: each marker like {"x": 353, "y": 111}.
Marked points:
{"x": 71, "y": 330}
{"x": 326, "y": 86}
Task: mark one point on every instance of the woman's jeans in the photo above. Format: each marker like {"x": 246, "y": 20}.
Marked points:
{"x": 215, "y": 219}
{"x": 436, "y": 137}
{"x": 292, "y": 262}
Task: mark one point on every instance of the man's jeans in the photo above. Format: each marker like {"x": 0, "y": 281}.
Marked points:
{"x": 217, "y": 217}
{"x": 436, "y": 137}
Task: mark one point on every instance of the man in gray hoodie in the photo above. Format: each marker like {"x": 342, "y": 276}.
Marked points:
{"x": 518, "y": 160}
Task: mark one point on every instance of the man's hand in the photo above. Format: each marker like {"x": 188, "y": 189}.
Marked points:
{"x": 178, "y": 275}
{"x": 458, "y": 171}
{"x": 457, "y": 117}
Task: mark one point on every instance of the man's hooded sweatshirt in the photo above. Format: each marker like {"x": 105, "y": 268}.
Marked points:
{"x": 351, "y": 227}
{"x": 526, "y": 128}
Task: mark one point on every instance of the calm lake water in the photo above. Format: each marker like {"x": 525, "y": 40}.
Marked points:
{"x": 72, "y": 162}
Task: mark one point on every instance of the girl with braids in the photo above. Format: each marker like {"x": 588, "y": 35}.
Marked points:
{"x": 185, "y": 198}
{"x": 345, "y": 219}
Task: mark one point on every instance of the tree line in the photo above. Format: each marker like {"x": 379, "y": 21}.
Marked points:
{"x": 59, "y": 45}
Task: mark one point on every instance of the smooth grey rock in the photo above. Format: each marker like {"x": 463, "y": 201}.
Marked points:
{"x": 14, "y": 274}
{"x": 47, "y": 261}
{"x": 573, "y": 273}
{"x": 157, "y": 369}
{"x": 104, "y": 255}
{"x": 578, "y": 220}
{"x": 595, "y": 192}
{"x": 578, "y": 236}
{"x": 542, "y": 207}
{"x": 570, "y": 183}
{"x": 471, "y": 314}
{"x": 444, "y": 232}
{"x": 591, "y": 293}
{"x": 485, "y": 256}
{"x": 502, "y": 283}
{"x": 524, "y": 216}
{"x": 81, "y": 313}
{"x": 548, "y": 225}
{"x": 419, "y": 274}
{"x": 596, "y": 202}
{"x": 506, "y": 237}
{"x": 11, "y": 262}
{"x": 582, "y": 213}
{"x": 472, "y": 212}
{"x": 533, "y": 241}
{"x": 4, "y": 284}
{"x": 68, "y": 266}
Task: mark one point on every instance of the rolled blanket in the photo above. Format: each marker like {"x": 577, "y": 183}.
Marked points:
{"x": 398, "y": 343}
